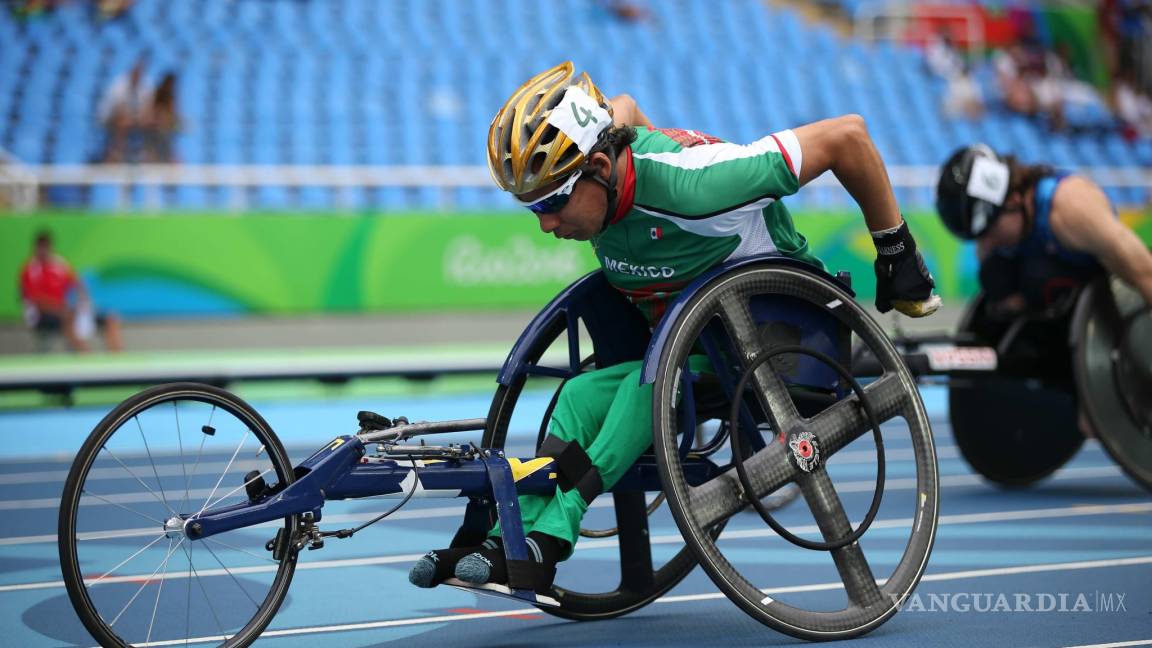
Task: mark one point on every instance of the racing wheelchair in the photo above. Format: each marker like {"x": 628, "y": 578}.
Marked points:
{"x": 780, "y": 401}
{"x": 1019, "y": 386}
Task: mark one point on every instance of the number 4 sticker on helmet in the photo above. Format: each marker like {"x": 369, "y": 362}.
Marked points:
{"x": 583, "y": 121}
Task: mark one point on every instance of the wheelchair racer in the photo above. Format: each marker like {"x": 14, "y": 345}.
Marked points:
{"x": 1041, "y": 236}
{"x": 660, "y": 207}
{"x": 1040, "y": 233}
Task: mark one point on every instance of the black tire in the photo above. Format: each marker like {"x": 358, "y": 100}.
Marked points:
{"x": 77, "y": 566}
{"x": 1117, "y": 405}
{"x": 640, "y": 582}
{"x": 725, "y": 302}
{"x": 1011, "y": 428}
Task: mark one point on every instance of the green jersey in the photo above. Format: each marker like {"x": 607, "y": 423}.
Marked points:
{"x": 691, "y": 202}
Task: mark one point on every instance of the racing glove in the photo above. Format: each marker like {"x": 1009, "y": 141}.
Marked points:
{"x": 902, "y": 280}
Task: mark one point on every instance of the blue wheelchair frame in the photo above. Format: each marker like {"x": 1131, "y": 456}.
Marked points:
{"x": 342, "y": 469}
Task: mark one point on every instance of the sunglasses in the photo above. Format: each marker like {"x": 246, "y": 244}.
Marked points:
{"x": 556, "y": 199}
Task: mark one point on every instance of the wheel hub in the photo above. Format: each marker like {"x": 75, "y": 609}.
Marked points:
{"x": 174, "y": 528}
{"x": 805, "y": 450}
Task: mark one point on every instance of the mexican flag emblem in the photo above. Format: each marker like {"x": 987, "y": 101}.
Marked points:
{"x": 656, "y": 233}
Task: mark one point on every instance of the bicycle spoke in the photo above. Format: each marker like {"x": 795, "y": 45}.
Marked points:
{"x": 199, "y": 452}
{"x": 233, "y": 548}
{"x": 232, "y": 576}
{"x": 152, "y": 461}
{"x": 188, "y": 601}
{"x": 125, "y": 467}
{"x": 211, "y": 608}
{"x": 125, "y": 561}
{"x": 148, "y": 580}
{"x": 156, "y": 604}
{"x": 180, "y": 444}
{"x": 226, "y": 469}
{"x": 190, "y": 476}
{"x": 234, "y": 490}
{"x": 118, "y": 505}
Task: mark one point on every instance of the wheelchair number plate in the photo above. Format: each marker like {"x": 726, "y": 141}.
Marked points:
{"x": 956, "y": 358}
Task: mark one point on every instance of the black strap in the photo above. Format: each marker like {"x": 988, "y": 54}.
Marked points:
{"x": 574, "y": 469}
{"x": 530, "y": 575}
{"x": 609, "y": 186}
{"x": 590, "y": 485}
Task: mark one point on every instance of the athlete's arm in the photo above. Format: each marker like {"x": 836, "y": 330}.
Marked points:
{"x": 843, "y": 146}
{"x": 625, "y": 112}
{"x": 1082, "y": 220}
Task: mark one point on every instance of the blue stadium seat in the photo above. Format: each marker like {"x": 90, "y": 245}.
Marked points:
{"x": 414, "y": 82}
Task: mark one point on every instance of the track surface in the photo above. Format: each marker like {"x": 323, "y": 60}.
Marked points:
{"x": 1081, "y": 538}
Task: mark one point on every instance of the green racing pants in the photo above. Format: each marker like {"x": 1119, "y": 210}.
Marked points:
{"x": 608, "y": 413}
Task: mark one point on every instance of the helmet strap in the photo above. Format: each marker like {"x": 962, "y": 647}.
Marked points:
{"x": 609, "y": 186}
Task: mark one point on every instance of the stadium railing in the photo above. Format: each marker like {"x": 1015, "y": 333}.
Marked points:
{"x": 21, "y": 184}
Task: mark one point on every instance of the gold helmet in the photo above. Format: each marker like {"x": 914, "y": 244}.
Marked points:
{"x": 525, "y": 151}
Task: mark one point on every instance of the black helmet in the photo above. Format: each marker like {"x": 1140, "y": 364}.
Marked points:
{"x": 972, "y": 188}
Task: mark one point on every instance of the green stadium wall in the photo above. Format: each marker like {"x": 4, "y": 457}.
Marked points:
{"x": 182, "y": 265}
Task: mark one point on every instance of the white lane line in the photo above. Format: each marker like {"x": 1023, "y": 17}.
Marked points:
{"x": 945, "y": 520}
{"x": 945, "y": 576}
{"x": 451, "y": 511}
{"x": 960, "y": 518}
{"x": 164, "y": 470}
{"x": 140, "y": 532}
{"x": 171, "y": 470}
{"x": 86, "y": 501}
{"x": 1116, "y": 645}
{"x": 865, "y": 486}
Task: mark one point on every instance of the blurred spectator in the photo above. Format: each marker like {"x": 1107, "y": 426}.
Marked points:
{"x": 1049, "y": 88}
{"x": 110, "y": 9}
{"x": 1040, "y": 83}
{"x": 32, "y": 8}
{"x": 46, "y": 283}
{"x": 106, "y": 9}
{"x": 122, "y": 112}
{"x": 942, "y": 58}
{"x": 1015, "y": 69}
{"x": 1133, "y": 107}
{"x": 161, "y": 121}
{"x": 964, "y": 97}
{"x": 626, "y": 11}
{"x": 1127, "y": 30}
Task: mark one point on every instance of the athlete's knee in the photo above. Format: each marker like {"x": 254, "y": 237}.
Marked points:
{"x": 576, "y": 392}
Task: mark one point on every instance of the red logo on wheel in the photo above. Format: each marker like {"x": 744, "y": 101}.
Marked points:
{"x": 805, "y": 450}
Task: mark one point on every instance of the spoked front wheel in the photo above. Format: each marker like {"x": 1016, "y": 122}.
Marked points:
{"x": 159, "y": 457}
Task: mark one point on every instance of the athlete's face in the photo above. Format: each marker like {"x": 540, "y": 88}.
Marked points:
{"x": 582, "y": 216}
{"x": 1008, "y": 229}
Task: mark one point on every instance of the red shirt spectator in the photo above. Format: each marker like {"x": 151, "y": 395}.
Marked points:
{"x": 46, "y": 281}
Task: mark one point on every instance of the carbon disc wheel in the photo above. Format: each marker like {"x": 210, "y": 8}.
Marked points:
{"x": 727, "y": 302}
